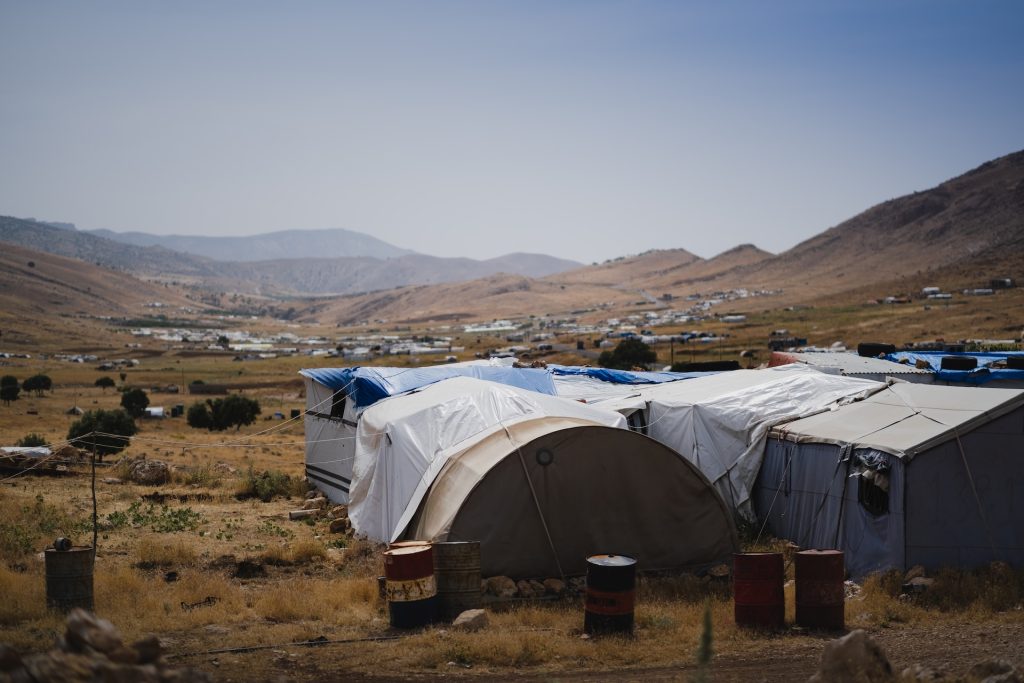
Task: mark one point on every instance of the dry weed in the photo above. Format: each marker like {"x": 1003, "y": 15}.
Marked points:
{"x": 165, "y": 552}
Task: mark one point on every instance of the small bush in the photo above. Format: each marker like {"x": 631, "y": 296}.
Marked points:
{"x": 165, "y": 520}
{"x": 267, "y": 484}
{"x": 31, "y": 440}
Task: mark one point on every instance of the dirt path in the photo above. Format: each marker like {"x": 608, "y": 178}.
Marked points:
{"x": 947, "y": 649}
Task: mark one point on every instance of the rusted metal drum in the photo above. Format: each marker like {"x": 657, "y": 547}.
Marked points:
{"x": 611, "y": 594}
{"x": 69, "y": 578}
{"x": 759, "y": 600}
{"x": 411, "y": 590}
{"x": 819, "y": 589}
{"x": 457, "y": 571}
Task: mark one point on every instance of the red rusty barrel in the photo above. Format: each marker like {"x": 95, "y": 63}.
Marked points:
{"x": 411, "y": 590}
{"x": 819, "y": 589}
{"x": 611, "y": 594}
{"x": 759, "y": 600}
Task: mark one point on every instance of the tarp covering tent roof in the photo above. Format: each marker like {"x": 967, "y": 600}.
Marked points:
{"x": 915, "y": 474}
{"x": 852, "y": 365}
{"x": 720, "y": 422}
{"x": 403, "y": 442}
{"x": 983, "y": 374}
{"x": 367, "y": 385}
{"x": 544, "y": 494}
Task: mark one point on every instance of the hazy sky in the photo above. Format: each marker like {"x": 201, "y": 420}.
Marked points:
{"x": 583, "y": 129}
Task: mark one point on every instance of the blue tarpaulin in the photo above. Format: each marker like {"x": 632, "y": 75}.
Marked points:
{"x": 624, "y": 376}
{"x": 980, "y": 375}
{"x": 367, "y": 385}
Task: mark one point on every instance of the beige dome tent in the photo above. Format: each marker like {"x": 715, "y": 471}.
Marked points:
{"x": 543, "y": 494}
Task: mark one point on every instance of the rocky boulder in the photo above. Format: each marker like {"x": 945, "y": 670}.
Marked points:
{"x": 148, "y": 472}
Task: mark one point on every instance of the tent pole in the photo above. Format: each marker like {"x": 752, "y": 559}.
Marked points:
{"x": 536, "y": 502}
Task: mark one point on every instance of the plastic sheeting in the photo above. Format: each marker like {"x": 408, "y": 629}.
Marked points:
{"x": 720, "y": 423}
{"x": 983, "y": 374}
{"x": 367, "y": 385}
{"x": 402, "y": 443}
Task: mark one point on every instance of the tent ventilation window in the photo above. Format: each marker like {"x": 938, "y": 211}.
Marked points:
{"x": 873, "y": 491}
{"x": 338, "y": 405}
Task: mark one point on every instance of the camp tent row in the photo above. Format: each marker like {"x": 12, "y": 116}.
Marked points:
{"x": 454, "y": 460}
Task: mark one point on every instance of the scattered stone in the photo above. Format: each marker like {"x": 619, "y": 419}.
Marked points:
{"x": 302, "y": 514}
{"x": 111, "y": 480}
{"x": 525, "y": 589}
{"x": 501, "y": 586}
{"x": 578, "y": 584}
{"x": 720, "y": 571}
{"x": 339, "y": 526}
{"x": 554, "y": 586}
{"x": 224, "y": 468}
{"x": 918, "y": 585}
{"x": 339, "y": 512}
{"x": 315, "y": 503}
{"x": 148, "y": 472}
{"x": 995, "y": 671}
{"x": 311, "y": 494}
{"x": 471, "y": 620}
{"x": 215, "y": 630}
{"x": 91, "y": 650}
{"x": 854, "y": 658}
{"x": 920, "y": 674}
{"x": 914, "y": 572}
{"x": 852, "y": 590}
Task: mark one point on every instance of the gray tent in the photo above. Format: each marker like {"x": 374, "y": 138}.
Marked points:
{"x": 541, "y": 495}
{"x": 915, "y": 474}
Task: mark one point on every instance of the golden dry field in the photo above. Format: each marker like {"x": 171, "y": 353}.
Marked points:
{"x": 244, "y": 576}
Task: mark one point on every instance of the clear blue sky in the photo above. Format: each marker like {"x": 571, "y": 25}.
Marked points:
{"x": 583, "y": 129}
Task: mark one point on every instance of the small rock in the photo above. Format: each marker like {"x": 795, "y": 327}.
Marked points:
{"x": 215, "y": 630}
{"x": 720, "y": 571}
{"x": 918, "y": 585}
{"x": 339, "y": 526}
{"x": 224, "y": 468}
{"x": 914, "y": 572}
{"x": 994, "y": 671}
{"x": 148, "y": 472}
{"x": 111, "y": 480}
{"x": 854, "y": 658}
{"x": 851, "y": 590}
{"x": 920, "y": 674}
{"x": 525, "y": 589}
{"x": 315, "y": 503}
{"x": 471, "y": 620}
{"x": 554, "y": 586}
{"x": 537, "y": 587}
{"x": 501, "y": 586}
{"x": 311, "y": 494}
{"x": 339, "y": 512}
{"x": 87, "y": 632}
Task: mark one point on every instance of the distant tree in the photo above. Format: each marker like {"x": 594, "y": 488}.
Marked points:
{"x": 9, "y": 389}
{"x": 38, "y": 384}
{"x": 123, "y": 376}
{"x": 223, "y": 413}
{"x": 223, "y": 341}
{"x": 630, "y": 353}
{"x": 116, "y": 427}
{"x": 134, "y": 401}
{"x": 31, "y": 440}
{"x": 105, "y": 382}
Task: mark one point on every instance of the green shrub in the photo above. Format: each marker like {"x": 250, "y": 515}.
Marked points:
{"x": 31, "y": 440}
{"x": 267, "y": 484}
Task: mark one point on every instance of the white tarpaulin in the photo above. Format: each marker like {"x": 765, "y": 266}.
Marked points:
{"x": 720, "y": 422}
{"x": 403, "y": 442}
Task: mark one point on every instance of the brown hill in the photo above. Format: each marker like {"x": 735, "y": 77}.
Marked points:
{"x": 47, "y": 294}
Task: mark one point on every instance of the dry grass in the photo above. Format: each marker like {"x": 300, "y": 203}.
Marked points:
{"x": 165, "y": 552}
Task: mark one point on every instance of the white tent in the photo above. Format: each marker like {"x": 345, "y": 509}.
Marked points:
{"x": 404, "y": 441}
{"x": 719, "y": 422}
{"x": 915, "y": 474}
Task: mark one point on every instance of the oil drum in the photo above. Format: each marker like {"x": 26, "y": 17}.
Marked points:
{"x": 411, "y": 590}
{"x": 611, "y": 594}
{"x": 457, "y": 572}
{"x": 819, "y": 589}
{"x": 758, "y": 597}
{"x": 69, "y": 578}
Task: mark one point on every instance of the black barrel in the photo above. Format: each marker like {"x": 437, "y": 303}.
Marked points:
{"x": 611, "y": 594}
{"x": 874, "y": 349}
{"x": 959, "y": 362}
{"x": 69, "y": 578}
